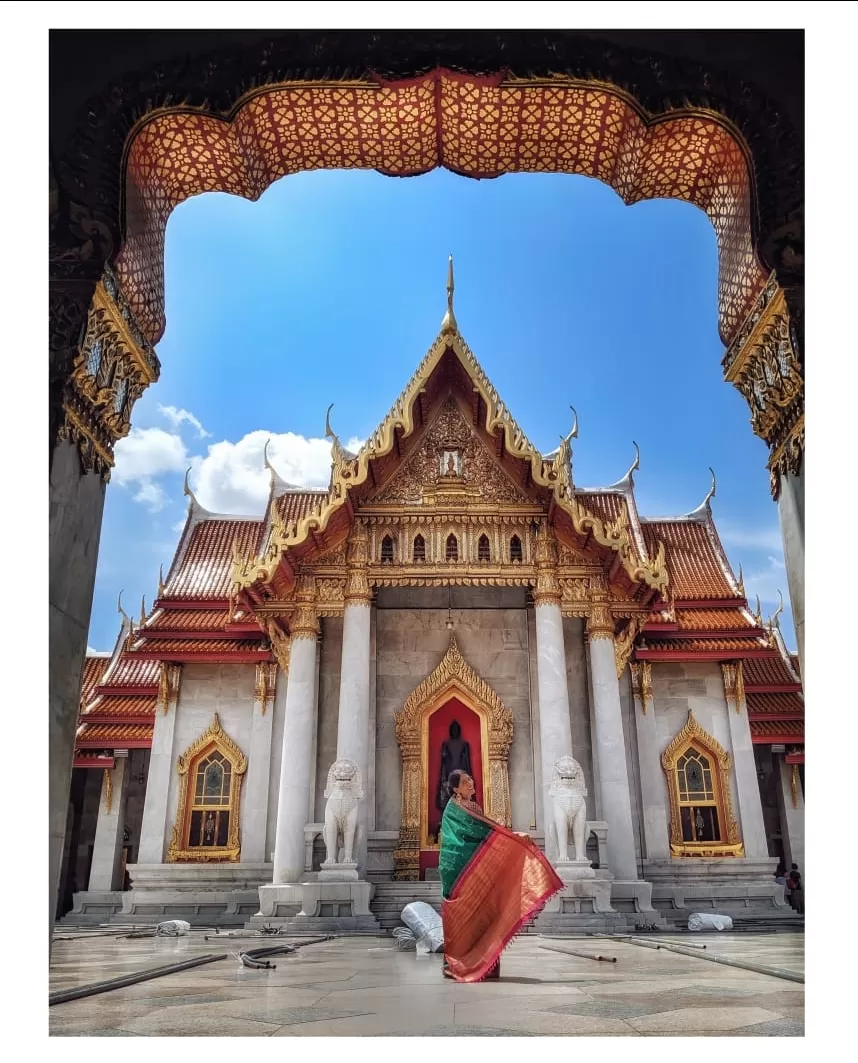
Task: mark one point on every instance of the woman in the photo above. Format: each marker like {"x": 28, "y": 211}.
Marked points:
{"x": 492, "y": 881}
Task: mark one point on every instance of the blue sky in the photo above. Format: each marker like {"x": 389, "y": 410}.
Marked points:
{"x": 331, "y": 288}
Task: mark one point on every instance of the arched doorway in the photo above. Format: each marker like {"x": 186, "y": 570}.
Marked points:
{"x": 650, "y": 123}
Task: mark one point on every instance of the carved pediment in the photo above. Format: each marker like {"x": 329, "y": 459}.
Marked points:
{"x": 451, "y": 462}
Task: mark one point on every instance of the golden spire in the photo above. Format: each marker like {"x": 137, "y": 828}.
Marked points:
{"x": 143, "y": 611}
{"x": 758, "y": 615}
{"x": 161, "y": 585}
{"x": 449, "y": 322}
{"x": 740, "y": 582}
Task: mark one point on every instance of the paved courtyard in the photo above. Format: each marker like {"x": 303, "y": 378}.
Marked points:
{"x": 364, "y": 986}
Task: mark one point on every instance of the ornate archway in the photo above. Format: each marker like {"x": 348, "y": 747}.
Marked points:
{"x": 697, "y": 770}
{"x": 453, "y": 678}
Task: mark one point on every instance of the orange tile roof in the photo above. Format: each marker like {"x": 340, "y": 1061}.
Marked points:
{"x": 186, "y": 620}
{"x": 225, "y": 647}
{"x": 134, "y": 673}
{"x": 293, "y": 505}
{"x": 114, "y": 734}
{"x": 608, "y": 505}
{"x": 696, "y": 570}
{"x": 205, "y": 569}
{"x": 93, "y": 669}
{"x": 774, "y": 703}
{"x": 712, "y": 620}
{"x": 777, "y": 729}
{"x": 767, "y": 672}
{"x": 121, "y": 705}
{"x": 694, "y": 645}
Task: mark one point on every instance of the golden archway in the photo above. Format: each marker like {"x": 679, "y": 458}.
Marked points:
{"x": 453, "y": 677}
{"x": 713, "y": 763}
{"x": 216, "y": 746}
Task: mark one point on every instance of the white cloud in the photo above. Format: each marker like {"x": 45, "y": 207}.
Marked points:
{"x": 232, "y": 477}
{"x": 768, "y": 539}
{"x": 176, "y": 417}
{"x": 152, "y": 495}
{"x": 767, "y": 582}
{"x": 148, "y": 452}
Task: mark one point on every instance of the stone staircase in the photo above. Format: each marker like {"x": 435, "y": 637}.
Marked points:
{"x": 391, "y": 897}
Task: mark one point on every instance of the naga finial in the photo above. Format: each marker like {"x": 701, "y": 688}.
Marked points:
{"x": 711, "y": 494}
{"x": 329, "y": 432}
{"x": 758, "y": 615}
{"x": 740, "y": 581}
{"x": 573, "y": 434}
{"x": 187, "y": 488}
{"x": 143, "y": 610}
{"x": 773, "y": 622}
{"x": 449, "y": 322}
{"x": 704, "y": 508}
{"x": 120, "y": 610}
{"x": 161, "y": 585}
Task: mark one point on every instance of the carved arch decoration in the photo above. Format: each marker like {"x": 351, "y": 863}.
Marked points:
{"x": 694, "y": 737}
{"x": 453, "y": 677}
{"x": 212, "y": 740}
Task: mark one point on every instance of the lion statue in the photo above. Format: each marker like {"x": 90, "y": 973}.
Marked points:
{"x": 344, "y": 792}
{"x": 568, "y": 792}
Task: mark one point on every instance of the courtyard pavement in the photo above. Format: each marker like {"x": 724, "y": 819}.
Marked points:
{"x": 363, "y": 986}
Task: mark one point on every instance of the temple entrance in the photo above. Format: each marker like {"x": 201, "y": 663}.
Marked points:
{"x": 428, "y": 742}
{"x": 454, "y": 736}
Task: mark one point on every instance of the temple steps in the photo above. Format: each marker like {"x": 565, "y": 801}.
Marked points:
{"x": 391, "y": 897}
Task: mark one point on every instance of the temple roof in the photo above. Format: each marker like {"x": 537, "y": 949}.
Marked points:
{"x": 202, "y": 567}
{"x": 114, "y": 735}
{"x": 698, "y": 567}
{"x": 767, "y": 732}
{"x": 94, "y": 667}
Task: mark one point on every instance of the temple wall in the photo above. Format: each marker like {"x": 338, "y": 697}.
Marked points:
{"x": 225, "y": 689}
{"x": 490, "y": 626}
{"x": 678, "y": 687}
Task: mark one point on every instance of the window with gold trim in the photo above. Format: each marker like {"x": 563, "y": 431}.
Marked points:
{"x": 210, "y": 773}
{"x": 697, "y": 770}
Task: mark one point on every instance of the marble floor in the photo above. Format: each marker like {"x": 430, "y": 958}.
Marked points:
{"x": 364, "y": 986}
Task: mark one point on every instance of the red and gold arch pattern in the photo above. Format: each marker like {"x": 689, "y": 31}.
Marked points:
{"x": 479, "y": 127}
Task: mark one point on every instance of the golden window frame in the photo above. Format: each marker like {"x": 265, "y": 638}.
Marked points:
{"x": 214, "y": 739}
{"x": 453, "y": 677}
{"x": 693, "y": 737}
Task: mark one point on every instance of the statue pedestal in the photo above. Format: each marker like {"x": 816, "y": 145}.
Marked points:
{"x": 320, "y": 907}
{"x": 573, "y": 870}
{"x": 338, "y": 872}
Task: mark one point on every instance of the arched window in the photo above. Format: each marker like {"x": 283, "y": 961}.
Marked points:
{"x": 387, "y": 548}
{"x": 515, "y": 553}
{"x": 483, "y": 551}
{"x": 697, "y": 769}
{"x": 452, "y": 552}
{"x": 206, "y": 826}
{"x": 419, "y": 548}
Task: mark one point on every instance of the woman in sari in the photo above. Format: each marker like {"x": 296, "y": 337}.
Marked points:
{"x": 492, "y": 882}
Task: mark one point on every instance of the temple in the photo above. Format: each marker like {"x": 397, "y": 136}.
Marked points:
{"x": 267, "y": 744}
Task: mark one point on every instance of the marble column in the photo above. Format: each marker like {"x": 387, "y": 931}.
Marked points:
{"x": 354, "y": 715}
{"x": 791, "y": 511}
{"x": 791, "y": 808}
{"x": 254, "y": 805}
{"x": 750, "y": 807}
{"x": 555, "y": 727}
{"x": 654, "y": 796}
{"x": 609, "y": 742}
{"x": 76, "y": 503}
{"x": 296, "y": 761}
{"x": 156, "y": 825}
{"x": 109, "y": 829}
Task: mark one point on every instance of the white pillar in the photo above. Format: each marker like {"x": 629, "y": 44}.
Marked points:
{"x": 296, "y": 760}
{"x": 254, "y": 805}
{"x": 353, "y": 717}
{"x": 555, "y": 727}
{"x": 654, "y": 797}
{"x": 791, "y": 512}
{"x": 750, "y": 810}
{"x": 791, "y": 808}
{"x": 613, "y": 780}
{"x": 153, "y": 831}
{"x": 109, "y": 828}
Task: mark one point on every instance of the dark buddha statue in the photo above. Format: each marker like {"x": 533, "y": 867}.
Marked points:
{"x": 455, "y": 753}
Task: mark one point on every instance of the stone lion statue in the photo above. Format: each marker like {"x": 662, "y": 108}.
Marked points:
{"x": 568, "y": 792}
{"x": 344, "y": 792}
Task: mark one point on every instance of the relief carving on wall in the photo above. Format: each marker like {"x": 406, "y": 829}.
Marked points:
{"x": 450, "y": 441}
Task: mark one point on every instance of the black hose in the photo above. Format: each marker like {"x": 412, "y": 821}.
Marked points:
{"x": 256, "y": 957}
{"x": 129, "y": 979}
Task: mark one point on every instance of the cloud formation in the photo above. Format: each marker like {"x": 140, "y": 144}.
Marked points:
{"x": 142, "y": 456}
{"x": 178, "y": 417}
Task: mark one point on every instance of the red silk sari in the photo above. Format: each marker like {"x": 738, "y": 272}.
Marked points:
{"x": 501, "y": 881}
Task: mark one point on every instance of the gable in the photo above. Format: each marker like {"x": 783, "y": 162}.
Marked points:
{"x": 469, "y": 470}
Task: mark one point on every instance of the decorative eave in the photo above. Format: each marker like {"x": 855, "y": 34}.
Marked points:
{"x": 350, "y": 472}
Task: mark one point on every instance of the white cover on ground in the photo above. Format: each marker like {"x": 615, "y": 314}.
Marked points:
{"x": 709, "y": 921}
{"x": 425, "y": 924}
{"x": 172, "y": 928}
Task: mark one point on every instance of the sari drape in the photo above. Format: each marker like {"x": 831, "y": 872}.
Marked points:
{"x": 492, "y": 882}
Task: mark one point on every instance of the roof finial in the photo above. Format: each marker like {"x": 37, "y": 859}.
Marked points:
{"x": 449, "y": 322}
{"x": 773, "y": 622}
{"x": 740, "y": 582}
{"x": 704, "y": 509}
{"x": 573, "y": 434}
{"x": 161, "y": 585}
{"x": 758, "y": 616}
{"x": 711, "y": 494}
{"x": 188, "y": 490}
{"x": 143, "y": 611}
{"x": 329, "y": 432}
{"x": 120, "y": 610}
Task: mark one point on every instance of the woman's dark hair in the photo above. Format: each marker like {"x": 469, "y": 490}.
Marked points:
{"x": 453, "y": 780}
